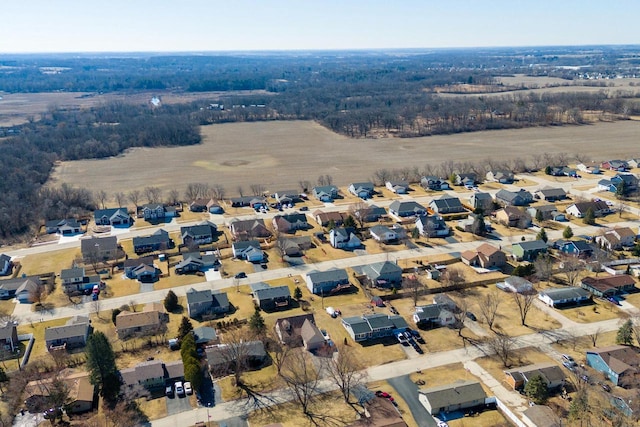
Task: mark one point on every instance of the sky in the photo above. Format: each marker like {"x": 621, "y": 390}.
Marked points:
{"x": 37, "y": 26}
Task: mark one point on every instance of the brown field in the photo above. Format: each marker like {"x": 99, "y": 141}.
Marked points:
{"x": 278, "y": 154}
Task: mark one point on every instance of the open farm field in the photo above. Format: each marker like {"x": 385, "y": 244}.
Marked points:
{"x": 279, "y": 154}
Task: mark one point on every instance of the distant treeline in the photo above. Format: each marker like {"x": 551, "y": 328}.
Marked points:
{"x": 27, "y": 159}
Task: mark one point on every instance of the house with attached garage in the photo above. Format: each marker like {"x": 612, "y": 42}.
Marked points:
{"x": 156, "y": 211}
{"x": 564, "y": 297}
{"x": 434, "y": 183}
{"x": 383, "y": 234}
{"x": 607, "y": 286}
{"x": 456, "y": 396}
{"x": 511, "y": 216}
{"x": 432, "y": 226}
{"x": 397, "y": 187}
{"x": 592, "y": 169}
{"x": 446, "y": 205}
{"x": 579, "y": 210}
{"x": 468, "y": 179}
{"x": 551, "y": 374}
{"x": 548, "y": 212}
{"x": 325, "y": 193}
{"x": 562, "y": 171}
{"x": 501, "y": 176}
{"x": 72, "y": 334}
{"x": 327, "y": 282}
{"x": 372, "y": 326}
{"x": 152, "y": 374}
{"x": 325, "y": 218}
{"x": 206, "y": 302}
{"x": 619, "y": 363}
{"x": 528, "y": 251}
{"x": 270, "y": 298}
{"x": 433, "y": 315}
{"x": 383, "y": 274}
{"x": 297, "y": 331}
{"x": 6, "y": 265}
{"x": 202, "y": 205}
{"x": 630, "y": 182}
{"x": 199, "y": 234}
{"x": 371, "y": 214}
{"x": 158, "y": 241}
{"x": 141, "y": 269}
{"x": 80, "y": 393}
{"x": 65, "y": 227}
{"x": 364, "y": 190}
{"x": 551, "y": 194}
{"x": 408, "y": 208}
{"x": 20, "y": 288}
{"x": 480, "y": 200}
{"x": 117, "y": 217}
{"x": 295, "y": 246}
{"x": 197, "y": 261}
{"x": 290, "y": 223}
{"x": 617, "y": 238}
{"x": 249, "y": 229}
{"x": 577, "y": 248}
{"x": 222, "y": 357}
{"x": 615, "y": 165}
{"x": 149, "y": 321}
{"x": 287, "y": 197}
{"x": 514, "y": 198}
{"x": 255, "y": 202}
{"x": 344, "y": 238}
{"x": 248, "y": 250}
{"x": 9, "y": 337}
{"x": 516, "y": 284}
{"x": 99, "y": 248}
{"x": 76, "y": 280}
{"x": 485, "y": 256}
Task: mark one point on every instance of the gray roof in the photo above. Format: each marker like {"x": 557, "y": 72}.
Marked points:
{"x": 380, "y": 229}
{"x": 272, "y": 292}
{"x": 448, "y": 203}
{"x": 558, "y": 294}
{"x": 552, "y": 192}
{"x": 238, "y": 246}
{"x": 510, "y": 196}
{"x": 19, "y": 282}
{"x": 430, "y": 311}
{"x": 204, "y": 334}
{"x": 62, "y": 222}
{"x": 105, "y": 243}
{"x": 72, "y": 273}
{"x": 76, "y": 327}
{"x": 380, "y": 268}
{"x": 258, "y": 285}
{"x": 159, "y": 236}
{"x": 459, "y": 392}
{"x": 328, "y": 276}
{"x": 220, "y": 299}
{"x": 203, "y": 229}
{"x": 362, "y": 186}
{"x": 357, "y": 324}
{"x": 195, "y": 297}
{"x": 534, "y": 245}
{"x": 406, "y": 206}
{"x": 482, "y": 196}
{"x": 221, "y": 354}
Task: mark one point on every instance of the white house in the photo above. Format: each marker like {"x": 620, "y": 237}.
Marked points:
{"x": 383, "y": 234}
{"x": 344, "y": 238}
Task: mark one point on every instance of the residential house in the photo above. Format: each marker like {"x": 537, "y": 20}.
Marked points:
{"x": 528, "y": 251}
{"x": 592, "y": 169}
{"x": 199, "y": 234}
{"x": 577, "y": 248}
{"x": 295, "y": 246}
{"x": 619, "y": 363}
{"x": 633, "y": 163}
{"x": 514, "y": 198}
{"x": 141, "y": 269}
{"x": 406, "y": 208}
{"x": 99, "y": 248}
{"x": 579, "y": 210}
{"x": 364, "y": 190}
{"x": 445, "y": 301}
{"x": 548, "y": 212}
{"x": 222, "y": 357}
{"x": 550, "y": 194}
{"x": 398, "y": 187}
{"x": 296, "y": 331}
{"x": 383, "y": 274}
{"x": 372, "y": 213}
{"x": 372, "y": 326}
{"x": 9, "y": 337}
{"x": 75, "y": 280}
{"x": 501, "y": 176}
{"x": 197, "y": 261}
{"x": 287, "y": 197}
{"x": 469, "y": 179}
{"x": 248, "y": 229}
{"x": 468, "y": 224}
{"x": 432, "y": 226}
{"x": 379, "y": 411}
{"x": 563, "y": 297}
{"x": 456, "y": 396}
{"x": 65, "y": 227}
{"x": 516, "y": 284}
{"x": 290, "y": 223}
{"x": 480, "y": 200}
{"x": 325, "y": 193}
{"x": 511, "y": 216}
{"x": 344, "y": 238}
{"x": 434, "y": 183}
{"x": 152, "y": 374}
{"x": 141, "y": 323}
{"x": 116, "y": 217}
{"x": 551, "y": 374}
{"x": 80, "y": 392}
{"x": 21, "y": 288}
{"x": 201, "y": 205}
{"x": 205, "y": 335}
{"x": 607, "y": 286}
{"x": 629, "y": 180}
{"x": 72, "y": 334}
{"x": 615, "y": 165}
{"x": 248, "y": 250}
{"x": 446, "y": 205}
{"x": 561, "y": 171}
{"x": 6, "y": 265}
{"x": 327, "y": 282}
{"x": 156, "y": 211}
{"x": 433, "y": 315}
{"x": 485, "y": 256}
{"x": 272, "y": 298}
{"x": 617, "y": 238}
{"x": 206, "y": 302}
{"x": 325, "y": 218}
{"x": 158, "y": 241}
{"x": 383, "y": 234}
{"x": 255, "y": 202}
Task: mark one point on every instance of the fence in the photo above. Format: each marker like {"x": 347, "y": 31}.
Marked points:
{"x": 511, "y": 415}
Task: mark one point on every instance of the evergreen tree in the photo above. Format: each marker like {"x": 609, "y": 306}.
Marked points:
{"x": 101, "y": 362}
{"x": 542, "y": 235}
{"x": 478, "y": 227}
{"x": 536, "y": 390}
{"x": 589, "y": 217}
{"x": 547, "y": 170}
{"x": 297, "y": 293}
{"x": 185, "y": 328}
{"x": 331, "y": 225}
{"x": 350, "y": 222}
{"x": 415, "y": 233}
{"x": 579, "y": 405}
{"x": 625, "y": 333}
{"x": 539, "y": 216}
{"x": 171, "y": 302}
{"x": 114, "y": 314}
{"x": 3, "y": 378}
{"x": 568, "y": 232}
{"x": 256, "y": 322}
{"x": 621, "y": 190}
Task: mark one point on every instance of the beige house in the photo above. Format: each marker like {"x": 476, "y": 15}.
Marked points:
{"x": 147, "y": 322}
{"x": 81, "y": 392}
{"x": 485, "y": 256}
{"x": 617, "y": 238}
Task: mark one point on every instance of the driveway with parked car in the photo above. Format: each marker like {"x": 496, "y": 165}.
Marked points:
{"x": 409, "y": 392}
{"x": 177, "y": 402}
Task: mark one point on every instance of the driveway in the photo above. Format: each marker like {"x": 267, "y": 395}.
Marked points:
{"x": 409, "y": 392}
{"x": 234, "y": 422}
{"x": 176, "y": 404}
{"x": 146, "y": 287}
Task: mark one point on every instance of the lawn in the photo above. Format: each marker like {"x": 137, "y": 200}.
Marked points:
{"x": 577, "y": 346}
{"x": 153, "y": 408}
{"x": 326, "y": 252}
{"x": 52, "y": 261}
{"x": 403, "y": 408}
{"x": 521, "y": 357}
{"x": 595, "y": 312}
{"x": 39, "y": 350}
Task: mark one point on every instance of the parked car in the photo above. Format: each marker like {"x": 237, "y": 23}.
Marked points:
{"x": 241, "y": 275}
{"x": 393, "y": 309}
{"x": 471, "y": 316}
{"x": 168, "y": 390}
{"x": 187, "y": 388}
{"x": 385, "y": 395}
{"x": 569, "y": 359}
{"x": 605, "y": 387}
{"x": 304, "y": 208}
{"x": 568, "y": 365}
{"x": 94, "y": 297}
{"x": 325, "y": 334}
{"x": 179, "y": 388}
{"x": 402, "y": 339}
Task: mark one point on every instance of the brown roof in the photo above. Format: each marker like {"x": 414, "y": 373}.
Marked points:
{"x": 619, "y": 357}
{"x": 290, "y": 327}
{"x": 487, "y": 250}
{"x": 126, "y": 320}
{"x": 606, "y": 283}
{"x": 382, "y": 413}
{"x": 542, "y": 415}
{"x": 79, "y": 386}
{"x": 154, "y": 306}
{"x": 328, "y": 216}
{"x": 624, "y": 232}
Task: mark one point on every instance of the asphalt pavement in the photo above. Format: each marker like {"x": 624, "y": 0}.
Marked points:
{"x": 409, "y": 392}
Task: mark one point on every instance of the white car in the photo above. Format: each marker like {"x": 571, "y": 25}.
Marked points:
{"x": 179, "y": 388}
{"x": 187, "y": 388}
{"x": 325, "y": 334}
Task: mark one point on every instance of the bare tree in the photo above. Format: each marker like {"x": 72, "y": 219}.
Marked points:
{"x": 302, "y": 380}
{"x": 502, "y": 346}
{"x": 563, "y": 158}
{"x": 453, "y": 277}
{"x": 217, "y": 192}
{"x": 257, "y": 189}
{"x": 240, "y": 191}
{"x": 415, "y": 288}
{"x": 543, "y": 266}
{"x": 174, "y": 196}
{"x": 581, "y": 157}
{"x": 360, "y": 211}
{"x": 134, "y": 197}
{"x": 345, "y": 370}
{"x": 120, "y": 198}
{"x": 153, "y": 194}
{"x": 595, "y": 335}
{"x": 536, "y": 161}
{"x": 489, "y": 305}
{"x": 328, "y": 179}
{"x": 572, "y": 267}
{"x": 304, "y": 185}
{"x": 524, "y": 302}
{"x": 460, "y": 315}
{"x": 102, "y": 198}
{"x": 321, "y": 180}
{"x": 381, "y": 176}
{"x": 37, "y": 294}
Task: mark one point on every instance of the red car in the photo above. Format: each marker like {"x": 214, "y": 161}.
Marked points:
{"x": 384, "y": 394}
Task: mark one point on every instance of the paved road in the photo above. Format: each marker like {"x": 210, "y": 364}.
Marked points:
{"x": 409, "y": 392}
